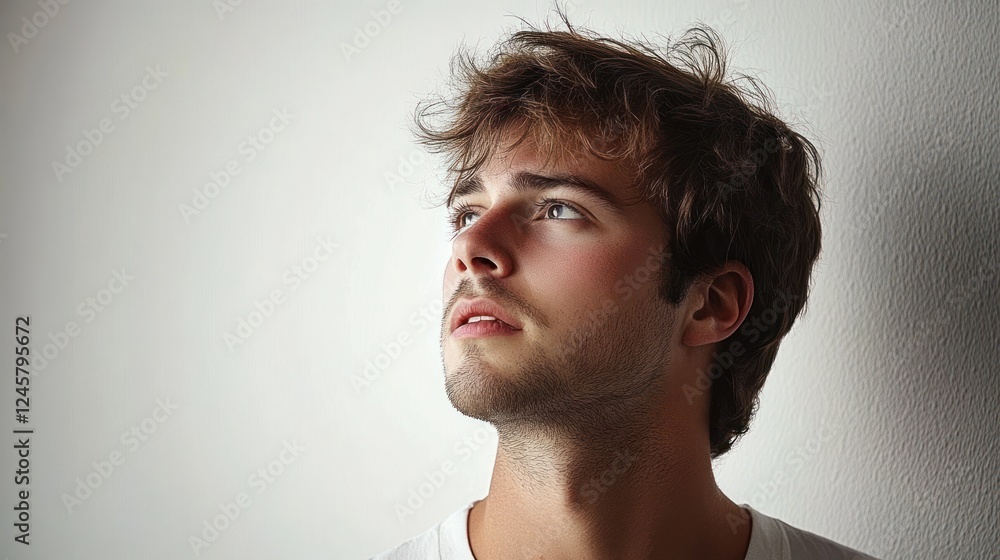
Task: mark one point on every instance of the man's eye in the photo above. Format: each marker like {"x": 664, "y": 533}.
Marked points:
{"x": 457, "y": 216}
{"x": 549, "y": 204}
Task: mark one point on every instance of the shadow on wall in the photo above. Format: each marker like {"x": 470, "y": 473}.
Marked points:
{"x": 925, "y": 357}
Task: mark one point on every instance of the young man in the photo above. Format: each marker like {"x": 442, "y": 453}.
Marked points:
{"x": 633, "y": 237}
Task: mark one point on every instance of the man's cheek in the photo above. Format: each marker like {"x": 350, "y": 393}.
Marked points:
{"x": 449, "y": 283}
{"x": 585, "y": 265}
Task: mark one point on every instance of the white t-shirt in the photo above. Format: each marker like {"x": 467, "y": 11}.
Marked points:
{"x": 770, "y": 539}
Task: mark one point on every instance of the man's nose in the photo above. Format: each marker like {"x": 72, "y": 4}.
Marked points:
{"x": 484, "y": 246}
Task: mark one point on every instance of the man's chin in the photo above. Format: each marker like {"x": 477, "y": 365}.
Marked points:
{"x": 479, "y": 391}
{"x": 467, "y": 392}
{"x": 485, "y": 393}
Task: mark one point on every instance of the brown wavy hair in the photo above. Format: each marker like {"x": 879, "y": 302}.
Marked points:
{"x": 729, "y": 178}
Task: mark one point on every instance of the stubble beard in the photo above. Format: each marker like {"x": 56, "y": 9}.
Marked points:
{"x": 595, "y": 380}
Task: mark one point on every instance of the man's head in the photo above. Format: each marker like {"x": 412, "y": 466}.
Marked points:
{"x": 703, "y": 242}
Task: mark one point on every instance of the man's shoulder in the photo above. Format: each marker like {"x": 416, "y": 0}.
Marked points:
{"x": 772, "y": 538}
{"x": 423, "y": 546}
{"x": 448, "y": 539}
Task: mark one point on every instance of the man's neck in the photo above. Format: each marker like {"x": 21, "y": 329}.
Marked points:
{"x": 578, "y": 497}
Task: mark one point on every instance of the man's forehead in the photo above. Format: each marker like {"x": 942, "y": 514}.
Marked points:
{"x": 561, "y": 154}
{"x": 526, "y": 167}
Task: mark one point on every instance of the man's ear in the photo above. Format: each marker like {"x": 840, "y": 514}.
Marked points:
{"x": 717, "y": 304}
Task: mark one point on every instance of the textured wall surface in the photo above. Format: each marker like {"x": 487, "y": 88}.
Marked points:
{"x": 224, "y": 199}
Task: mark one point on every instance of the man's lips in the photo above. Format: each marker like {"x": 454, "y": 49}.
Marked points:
{"x": 482, "y": 329}
{"x": 467, "y": 309}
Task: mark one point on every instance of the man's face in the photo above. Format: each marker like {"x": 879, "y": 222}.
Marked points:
{"x": 580, "y": 279}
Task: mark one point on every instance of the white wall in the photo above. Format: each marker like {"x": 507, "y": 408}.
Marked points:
{"x": 896, "y": 353}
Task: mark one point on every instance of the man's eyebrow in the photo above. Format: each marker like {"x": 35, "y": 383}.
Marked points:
{"x": 526, "y": 181}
